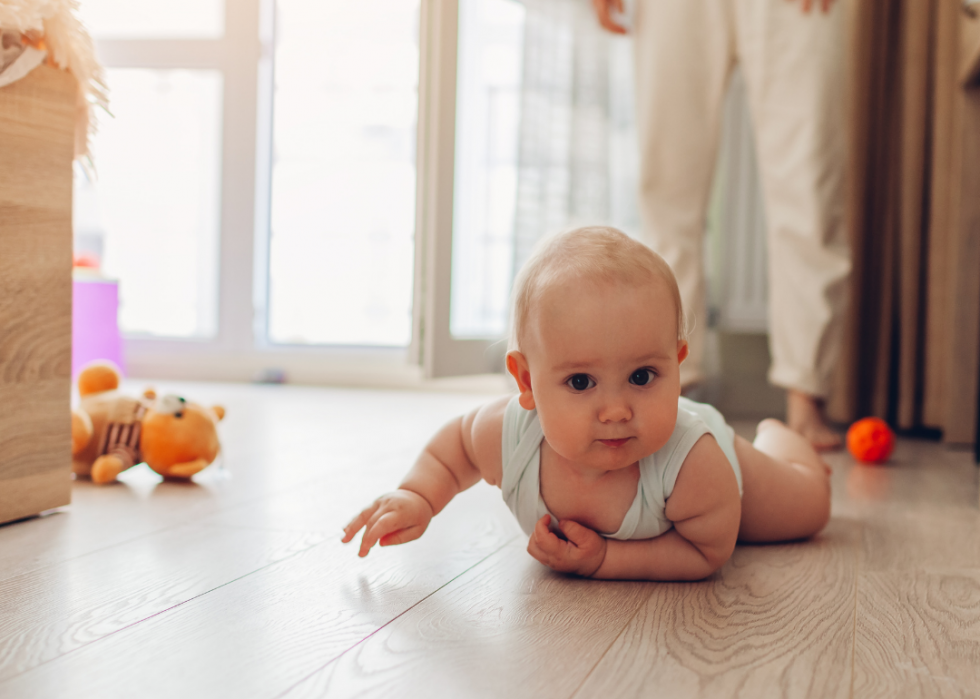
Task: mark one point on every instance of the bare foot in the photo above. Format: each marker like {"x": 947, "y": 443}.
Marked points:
{"x": 789, "y": 445}
{"x": 805, "y": 415}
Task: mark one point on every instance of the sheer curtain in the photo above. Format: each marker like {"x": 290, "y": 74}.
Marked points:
{"x": 577, "y": 154}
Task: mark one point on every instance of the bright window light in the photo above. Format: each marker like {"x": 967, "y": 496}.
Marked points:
{"x": 341, "y": 257}
{"x": 154, "y": 19}
{"x": 153, "y": 212}
{"x": 490, "y": 60}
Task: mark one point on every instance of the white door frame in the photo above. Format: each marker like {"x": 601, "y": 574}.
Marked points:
{"x": 433, "y": 345}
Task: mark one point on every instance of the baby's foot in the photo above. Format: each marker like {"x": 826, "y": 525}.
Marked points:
{"x": 775, "y": 438}
{"x": 769, "y": 423}
{"x": 804, "y": 413}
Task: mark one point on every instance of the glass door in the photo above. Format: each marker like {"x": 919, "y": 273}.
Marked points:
{"x": 342, "y": 226}
{"x": 255, "y": 190}
{"x": 468, "y": 144}
{"x": 287, "y": 187}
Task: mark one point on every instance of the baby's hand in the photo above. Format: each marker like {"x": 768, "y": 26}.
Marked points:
{"x": 582, "y": 554}
{"x": 394, "y": 518}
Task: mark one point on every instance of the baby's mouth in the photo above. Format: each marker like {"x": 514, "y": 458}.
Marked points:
{"x": 614, "y": 443}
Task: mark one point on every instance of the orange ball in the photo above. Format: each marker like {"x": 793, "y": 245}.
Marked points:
{"x": 870, "y": 440}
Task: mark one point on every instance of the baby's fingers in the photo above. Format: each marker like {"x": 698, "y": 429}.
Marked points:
{"x": 376, "y": 529}
{"x": 537, "y": 553}
{"x": 556, "y": 560}
{"x": 402, "y": 536}
{"x": 546, "y": 539}
{"x": 578, "y": 535}
{"x": 355, "y": 524}
{"x": 542, "y": 527}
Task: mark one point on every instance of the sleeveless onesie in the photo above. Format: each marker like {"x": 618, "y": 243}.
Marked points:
{"x": 645, "y": 519}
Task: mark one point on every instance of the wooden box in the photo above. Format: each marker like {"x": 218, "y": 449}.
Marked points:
{"x": 37, "y": 134}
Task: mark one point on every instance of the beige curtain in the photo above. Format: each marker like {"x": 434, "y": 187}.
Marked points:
{"x": 912, "y": 350}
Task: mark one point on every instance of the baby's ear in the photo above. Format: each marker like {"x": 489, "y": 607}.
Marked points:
{"x": 518, "y": 368}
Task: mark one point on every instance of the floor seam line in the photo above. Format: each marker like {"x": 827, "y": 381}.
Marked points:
{"x": 168, "y": 527}
{"x": 629, "y": 621}
{"x": 857, "y": 580}
{"x": 393, "y": 619}
{"x": 163, "y": 611}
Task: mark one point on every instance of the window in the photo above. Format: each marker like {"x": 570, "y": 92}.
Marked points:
{"x": 491, "y": 37}
{"x": 153, "y": 215}
{"x": 258, "y": 189}
{"x": 154, "y": 19}
{"x": 343, "y": 172}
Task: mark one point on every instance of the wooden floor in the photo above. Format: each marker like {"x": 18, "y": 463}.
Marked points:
{"x": 238, "y": 585}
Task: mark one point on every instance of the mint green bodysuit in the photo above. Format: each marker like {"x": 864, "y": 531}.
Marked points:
{"x": 645, "y": 519}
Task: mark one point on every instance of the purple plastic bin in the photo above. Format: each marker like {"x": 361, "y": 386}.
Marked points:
{"x": 94, "y": 323}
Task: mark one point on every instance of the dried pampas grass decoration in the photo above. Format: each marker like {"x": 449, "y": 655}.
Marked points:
{"x": 54, "y": 24}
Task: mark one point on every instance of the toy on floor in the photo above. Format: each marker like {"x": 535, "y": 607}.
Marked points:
{"x": 870, "y": 440}
{"x": 111, "y": 432}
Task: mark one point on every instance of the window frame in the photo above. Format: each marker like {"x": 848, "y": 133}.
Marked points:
{"x": 433, "y": 345}
{"x": 240, "y": 349}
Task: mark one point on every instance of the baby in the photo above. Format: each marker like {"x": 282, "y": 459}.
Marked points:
{"x": 610, "y": 472}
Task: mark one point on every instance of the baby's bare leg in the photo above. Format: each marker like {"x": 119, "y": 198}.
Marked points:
{"x": 786, "y": 486}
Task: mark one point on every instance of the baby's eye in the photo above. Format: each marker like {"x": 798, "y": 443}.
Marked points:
{"x": 580, "y": 382}
{"x": 641, "y": 377}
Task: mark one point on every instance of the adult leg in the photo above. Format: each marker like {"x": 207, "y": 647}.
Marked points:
{"x": 683, "y": 52}
{"x": 794, "y": 66}
{"x": 786, "y": 486}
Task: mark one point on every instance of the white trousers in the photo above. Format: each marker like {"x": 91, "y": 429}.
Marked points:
{"x": 794, "y": 68}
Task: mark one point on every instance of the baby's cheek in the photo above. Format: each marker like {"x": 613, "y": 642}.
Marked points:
{"x": 563, "y": 434}
{"x": 661, "y": 425}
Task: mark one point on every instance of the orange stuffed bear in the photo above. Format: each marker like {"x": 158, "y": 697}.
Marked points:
{"x": 111, "y": 432}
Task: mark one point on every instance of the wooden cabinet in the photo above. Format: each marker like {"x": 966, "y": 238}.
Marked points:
{"x": 37, "y": 135}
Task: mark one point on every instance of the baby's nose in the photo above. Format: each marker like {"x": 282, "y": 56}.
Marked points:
{"x": 615, "y": 409}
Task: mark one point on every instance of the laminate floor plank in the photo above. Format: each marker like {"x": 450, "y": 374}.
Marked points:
{"x": 775, "y": 621}
{"x": 917, "y": 618}
{"x": 920, "y": 476}
{"x": 921, "y": 539}
{"x": 325, "y": 503}
{"x": 105, "y": 516}
{"x": 918, "y": 634}
{"x": 261, "y": 634}
{"x": 510, "y": 628}
{"x": 274, "y": 439}
{"x": 237, "y": 585}
{"x": 58, "y": 609}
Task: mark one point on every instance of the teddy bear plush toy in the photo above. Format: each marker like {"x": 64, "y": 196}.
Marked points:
{"x": 111, "y": 432}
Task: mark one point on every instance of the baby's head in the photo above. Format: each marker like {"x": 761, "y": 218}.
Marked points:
{"x": 592, "y": 255}
{"x": 597, "y": 340}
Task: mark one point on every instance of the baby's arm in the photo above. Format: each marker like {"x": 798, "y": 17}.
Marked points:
{"x": 705, "y": 508}
{"x": 464, "y": 450}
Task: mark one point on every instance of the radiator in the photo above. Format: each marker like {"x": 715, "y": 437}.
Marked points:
{"x": 737, "y": 269}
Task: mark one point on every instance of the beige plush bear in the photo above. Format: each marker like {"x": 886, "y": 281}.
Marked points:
{"x": 112, "y": 432}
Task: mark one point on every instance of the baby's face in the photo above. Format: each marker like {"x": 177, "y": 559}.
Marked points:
{"x": 604, "y": 368}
